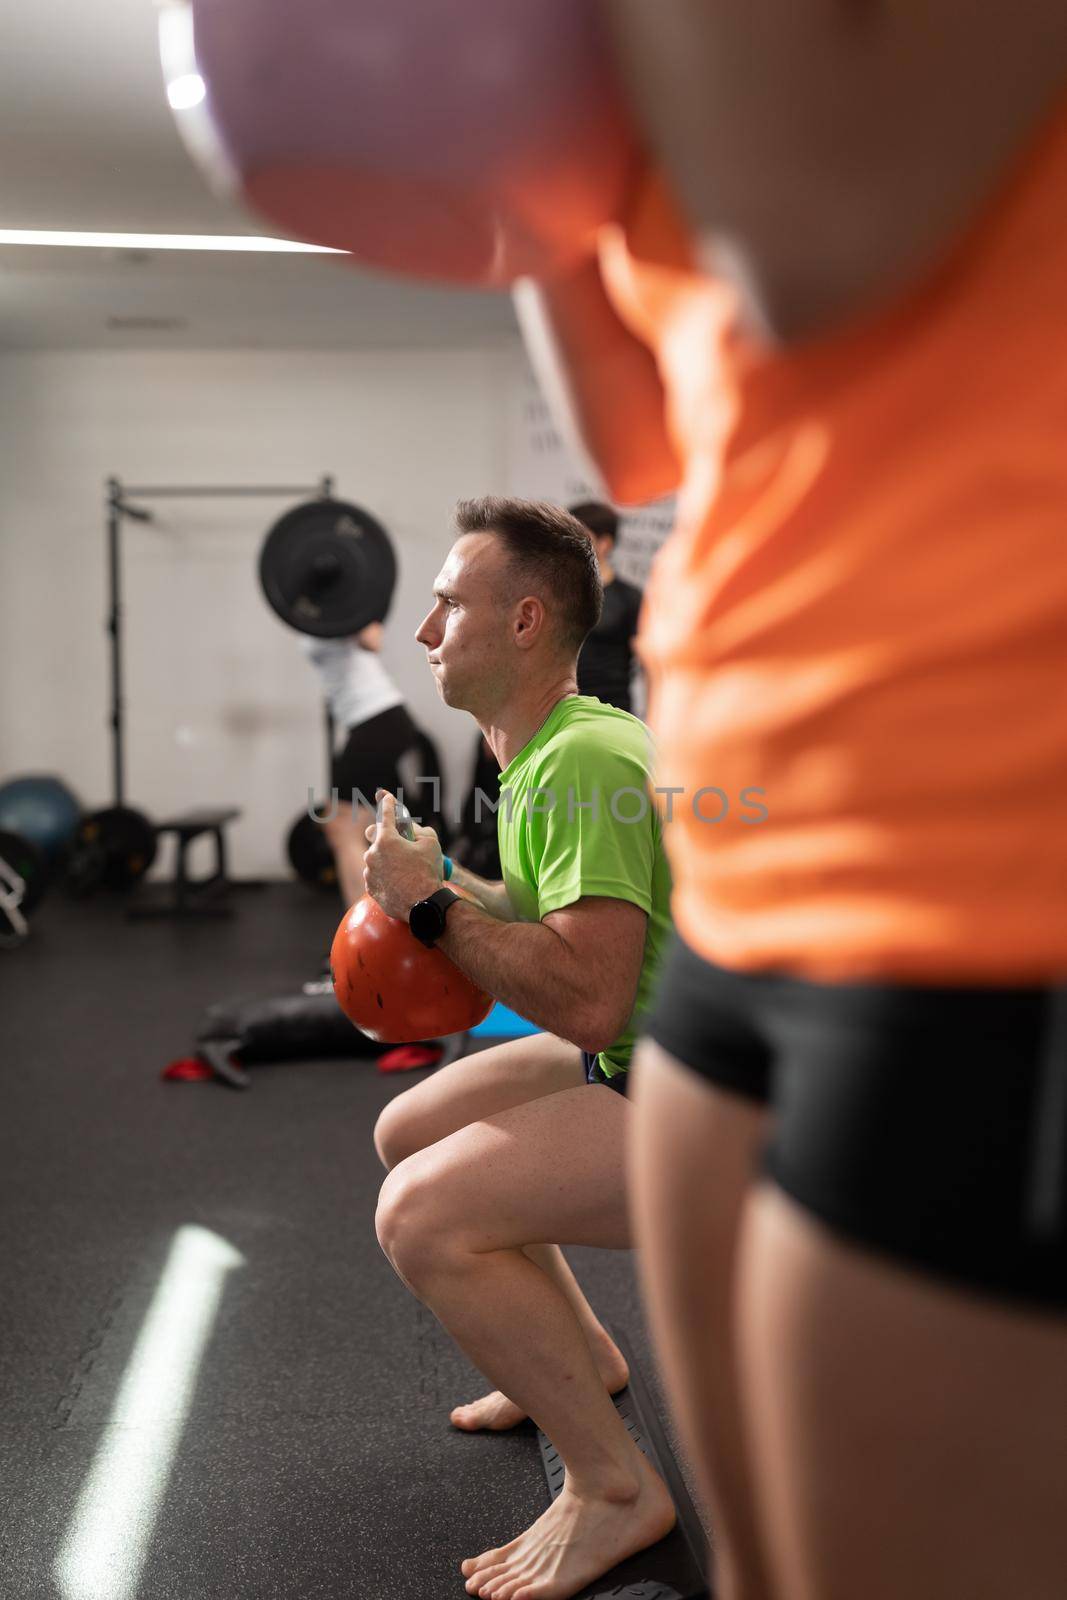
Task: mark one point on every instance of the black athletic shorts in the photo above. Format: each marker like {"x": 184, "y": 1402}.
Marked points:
{"x": 593, "y": 1074}
{"x": 929, "y": 1123}
{"x": 377, "y": 755}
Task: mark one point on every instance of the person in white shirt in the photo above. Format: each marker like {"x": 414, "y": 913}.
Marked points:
{"x": 384, "y": 748}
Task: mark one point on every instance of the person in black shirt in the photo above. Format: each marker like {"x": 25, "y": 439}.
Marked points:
{"x": 607, "y": 661}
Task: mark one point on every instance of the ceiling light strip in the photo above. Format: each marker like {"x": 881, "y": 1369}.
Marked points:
{"x": 161, "y": 241}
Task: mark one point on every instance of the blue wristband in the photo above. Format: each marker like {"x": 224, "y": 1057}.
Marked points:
{"x": 448, "y": 867}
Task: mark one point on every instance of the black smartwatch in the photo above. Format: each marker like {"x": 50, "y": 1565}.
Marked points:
{"x": 426, "y": 919}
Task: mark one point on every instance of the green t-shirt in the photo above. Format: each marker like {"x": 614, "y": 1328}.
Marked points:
{"x": 577, "y": 817}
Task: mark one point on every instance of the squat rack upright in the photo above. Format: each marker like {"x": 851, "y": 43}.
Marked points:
{"x": 117, "y": 506}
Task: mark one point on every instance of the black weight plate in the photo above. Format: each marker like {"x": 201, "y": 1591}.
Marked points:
{"x": 309, "y": 852}
{"x": 328, "y": 568}
{"x": 113, "y": 848}
{"x": 31, "y": 864}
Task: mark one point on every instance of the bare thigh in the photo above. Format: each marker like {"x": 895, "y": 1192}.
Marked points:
{"x": 551, "y": 1171}
{"x": 693, "y": 1155}
{"x": 910, "y": 1437}
{"x": 474, "y": 1088}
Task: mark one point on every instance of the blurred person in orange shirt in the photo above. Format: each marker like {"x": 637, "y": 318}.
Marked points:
{"x": 832, "y": 319}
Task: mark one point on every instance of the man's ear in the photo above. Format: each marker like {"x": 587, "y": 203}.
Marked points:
{"x": 529, "y": 622}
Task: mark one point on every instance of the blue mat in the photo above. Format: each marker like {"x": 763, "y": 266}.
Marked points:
{"x": 502, "y": 1023}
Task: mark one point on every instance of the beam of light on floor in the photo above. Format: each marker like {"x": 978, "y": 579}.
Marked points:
{"x": 106, "y": 1545}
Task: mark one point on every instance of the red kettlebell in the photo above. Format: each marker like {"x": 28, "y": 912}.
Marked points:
{"x": 392, "y": 987}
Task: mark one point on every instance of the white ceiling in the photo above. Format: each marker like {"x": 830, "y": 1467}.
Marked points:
{"x": 87, "y": 142}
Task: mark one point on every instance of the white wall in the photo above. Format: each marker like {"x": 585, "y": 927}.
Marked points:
{"x": 542, "y": 465}
{"x": 221, "y": 705}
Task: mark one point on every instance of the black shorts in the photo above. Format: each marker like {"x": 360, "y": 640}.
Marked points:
{"x": 929, "y": 1123}
{"x": 377, "y": 755}
{"x": 593, "y": 1074}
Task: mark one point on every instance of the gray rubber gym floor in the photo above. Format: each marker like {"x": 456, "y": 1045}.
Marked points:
{"x": 313, "y": 1456}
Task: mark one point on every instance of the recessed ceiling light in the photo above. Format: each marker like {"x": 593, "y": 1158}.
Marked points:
{"x": 187, "y": 91}
{"x": 161, "y": 241}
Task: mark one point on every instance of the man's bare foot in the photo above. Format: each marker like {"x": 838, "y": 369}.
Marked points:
{"x": 497, "y": 1413}
{"x": 577, "y": 1540}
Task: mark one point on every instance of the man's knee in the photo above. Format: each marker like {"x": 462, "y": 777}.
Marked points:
{"x": 410, "y": 1221}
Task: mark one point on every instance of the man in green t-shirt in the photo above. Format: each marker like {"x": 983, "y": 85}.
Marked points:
{"x": 509, "y": 1153}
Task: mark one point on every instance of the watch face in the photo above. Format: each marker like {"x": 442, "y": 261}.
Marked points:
{"x": 427, "y": 921}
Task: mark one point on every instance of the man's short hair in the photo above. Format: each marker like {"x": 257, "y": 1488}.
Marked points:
{"x": 550, "y": 554}
{"x": 598, "y": 518}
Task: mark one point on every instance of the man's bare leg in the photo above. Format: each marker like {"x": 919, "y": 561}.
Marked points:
{"x": 495, "y": 1411}
{"x": 346, "y": 835}
{"x": 453, "y": 1219}
{"x": 693, "y": 1154}
{"x": 910, "y": 1437}
{"x": 468, "y": 1091}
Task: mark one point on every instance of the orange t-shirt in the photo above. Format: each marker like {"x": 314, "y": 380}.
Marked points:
{"x": 862, "y": 613}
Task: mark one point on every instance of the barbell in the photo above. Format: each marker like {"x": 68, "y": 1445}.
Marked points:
{"x": 328, "y": 568}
